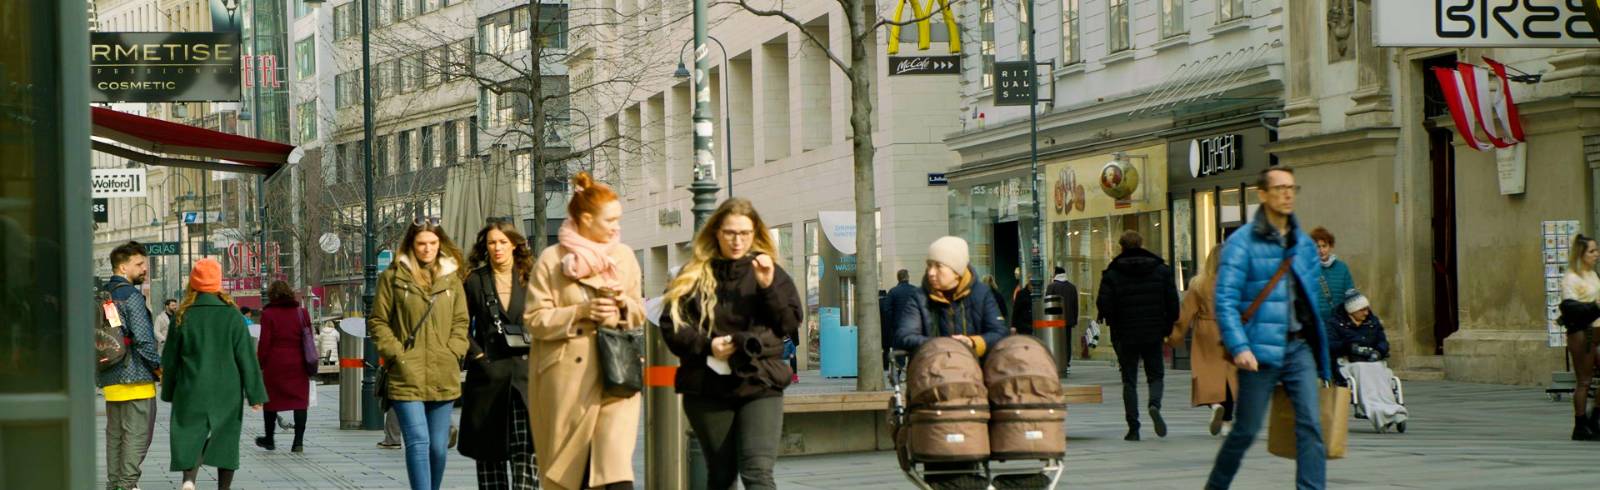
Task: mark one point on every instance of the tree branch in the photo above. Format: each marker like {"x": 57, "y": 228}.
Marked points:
{"x": 802, "y": 27}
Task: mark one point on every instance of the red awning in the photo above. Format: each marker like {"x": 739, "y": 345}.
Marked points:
{"x": 237, "y": 153}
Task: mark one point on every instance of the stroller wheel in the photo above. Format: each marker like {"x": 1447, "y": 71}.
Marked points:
{"x": 1400, "y": 427}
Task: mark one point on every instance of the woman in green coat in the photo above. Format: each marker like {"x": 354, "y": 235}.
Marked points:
{"x": 419, "y": 323}
{"x": 210, "y": 369}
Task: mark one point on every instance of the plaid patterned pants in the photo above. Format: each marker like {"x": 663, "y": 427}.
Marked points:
{"x": 493, "y": 475}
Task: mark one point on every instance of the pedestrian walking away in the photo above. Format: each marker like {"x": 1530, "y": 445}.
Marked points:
{"x": 1270, "y": 322}
{"x": 1336, "y": 279}
{"x": 590, "y": 279}
{"x": 1580, "y": 314}
{"x": 211, "y": 371}
{"x": 1068, "y": 292}
{"x": 1215, "y": 380}
{"x": 900, "y": 295}
{"x": 288, "y": 359}
{"x": 130, "y": 385}
{"x": 729, "y": 309}
{"x": 1021, "y": 316}
{"x": 419, "y": 322}
{"x": 494, "y": 398}
{"x": 169, "y": 309}
{"x": 1139, "y": 301}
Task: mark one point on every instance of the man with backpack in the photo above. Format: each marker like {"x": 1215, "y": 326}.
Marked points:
{"x": 129, "y": 383}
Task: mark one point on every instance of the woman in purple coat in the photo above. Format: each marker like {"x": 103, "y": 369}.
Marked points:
{"x": 285, "y": 329}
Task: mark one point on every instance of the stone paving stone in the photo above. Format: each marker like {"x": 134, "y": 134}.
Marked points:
{"x": 1461, "y": 436}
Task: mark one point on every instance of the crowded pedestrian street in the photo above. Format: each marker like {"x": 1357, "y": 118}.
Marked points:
{"x": 1461, "y": 436}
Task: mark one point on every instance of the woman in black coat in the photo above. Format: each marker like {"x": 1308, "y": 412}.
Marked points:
{"x": 494, "y": 419}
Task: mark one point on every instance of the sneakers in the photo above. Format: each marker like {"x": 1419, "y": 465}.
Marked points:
{"x": 266, "y": 443}
{"x": 452, "y": 437}
{"x": 188, "y": 485}
{"x": 1161, "y": 425}
{"x": 1216, "y": 419}
{"x": 390, "y": 445}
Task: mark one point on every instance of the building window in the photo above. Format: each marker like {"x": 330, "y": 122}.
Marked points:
{"x": 408, "y": 74}
{"x": 1172, "y": 18}
{"x": 452, "y": 150}
{"x": 343, "y": 21}
{"x": 1117, "y": 15}
{"x": 429, "y": 158}
{"x": 1229, "y": 10}
{"x": 383, "y": 156}
{"x": 306, "y": 113}
{"x": 330, "y": 167}
{"x": 1071, "y": 50}
{"x": 300, "y": 9}
{"x": 523, "y": 172}
{"x": 986, "y": 45}
{"x": 340, "y": 98}
{"x": 553, "y": 26}
{"x": 354, "y": 163}
{"x": 1023, "y": 28}
{"x": 305, "y": 57}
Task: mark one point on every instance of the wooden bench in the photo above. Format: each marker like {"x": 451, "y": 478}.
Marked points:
{"x": 852, "y": 421}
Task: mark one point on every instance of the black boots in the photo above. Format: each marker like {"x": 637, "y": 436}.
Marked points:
{"x": 1581, "y": 430}
{"x": 266, "y": 443}
{"x": 1133, "y": 434}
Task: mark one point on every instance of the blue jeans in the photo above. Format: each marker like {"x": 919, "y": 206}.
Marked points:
{"x": 426, "y": 429}
{"x": 1299, "y": 378}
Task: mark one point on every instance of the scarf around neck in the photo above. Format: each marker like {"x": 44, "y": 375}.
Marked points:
{"x": 1331, "y": 259}
{"x": 587, "y": 258}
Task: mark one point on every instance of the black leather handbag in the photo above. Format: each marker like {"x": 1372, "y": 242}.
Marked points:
{"x": 621, "y": 361}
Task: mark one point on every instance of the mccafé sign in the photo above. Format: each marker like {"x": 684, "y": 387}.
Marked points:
{"x": 164, "y": 66}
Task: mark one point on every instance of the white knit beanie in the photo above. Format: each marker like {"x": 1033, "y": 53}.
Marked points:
{"x": 950, "y": 251}
{"x": 1355, "y": 302}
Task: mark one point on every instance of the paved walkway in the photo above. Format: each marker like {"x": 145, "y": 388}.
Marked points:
{"x": 1461, "y": 436}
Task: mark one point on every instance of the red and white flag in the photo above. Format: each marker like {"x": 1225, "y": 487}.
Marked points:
{"x": 1473, "y": 107}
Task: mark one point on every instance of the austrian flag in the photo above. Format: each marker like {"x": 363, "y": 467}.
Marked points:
{"x": 1467, "y": 92}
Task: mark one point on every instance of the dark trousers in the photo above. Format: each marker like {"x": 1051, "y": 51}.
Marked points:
{"x": 271, "y": 419}
{"x": 1129, "y": 355}
{"x": 739, "y": 438}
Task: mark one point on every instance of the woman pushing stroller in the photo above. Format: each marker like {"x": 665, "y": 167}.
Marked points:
{"x": 953, "y": 303}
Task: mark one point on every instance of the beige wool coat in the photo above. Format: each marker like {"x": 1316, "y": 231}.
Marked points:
{"x": 1214, "y": 374}
{"x": 573, "y": 423}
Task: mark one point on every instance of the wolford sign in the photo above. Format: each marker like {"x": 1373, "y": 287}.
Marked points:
{"x": 1483, "y": 23}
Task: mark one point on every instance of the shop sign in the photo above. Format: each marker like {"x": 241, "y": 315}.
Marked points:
{"x": 1013, "y": 83}
{"x": 117, "y": 182}
{"x": 1484, "y": 23}
{"x": 1215, "y": 155}
{"x": 937, "y": 179}
{"x": 924, "y": 65}
{"x": 1078, "y": 187}
{"x": 1511, "y": 164}
{"x": 158, "y": 249}
{"x": 164, "y": 66}
{"x": 669, "y": 217}
{"x": 840, "y": 229}
{"x": 100, "y": 206}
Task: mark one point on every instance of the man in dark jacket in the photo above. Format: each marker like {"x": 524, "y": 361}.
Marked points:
{"x": 952, "y": 303}
{"x": 900, "y": 295}
{"x": 1022, "y": 306}
{"x": 1139, "y": 301}
{"x": 1064, "y": 289}
{"x": 130, "y": 385}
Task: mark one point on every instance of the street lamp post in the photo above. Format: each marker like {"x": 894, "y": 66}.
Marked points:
{"x": 727, "y": 103}
{"x": 371, "y": 416}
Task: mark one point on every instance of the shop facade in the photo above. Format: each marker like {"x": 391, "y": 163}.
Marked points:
{"x": 1211, "y": 177}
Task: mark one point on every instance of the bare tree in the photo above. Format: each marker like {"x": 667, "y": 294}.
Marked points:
{"x": 863, "y": 19}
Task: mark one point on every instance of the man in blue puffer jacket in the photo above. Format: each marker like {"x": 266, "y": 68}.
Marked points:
{"x": 1284, "y": 341}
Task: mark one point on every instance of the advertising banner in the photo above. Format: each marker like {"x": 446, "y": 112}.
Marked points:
{"x": 164, "y": 66}
{"x": 1093, "y": 187}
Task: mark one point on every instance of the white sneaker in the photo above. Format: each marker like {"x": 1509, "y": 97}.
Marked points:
{"x": 188, "y": 485}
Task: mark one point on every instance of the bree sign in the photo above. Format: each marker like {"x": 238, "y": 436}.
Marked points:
{"x": 1215, "y": 155}
{"x": 1483, "y": 23}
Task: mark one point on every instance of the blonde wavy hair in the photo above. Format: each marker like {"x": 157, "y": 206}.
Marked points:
{"x": 188, "y": 300}
{"x": 696, "y": 278}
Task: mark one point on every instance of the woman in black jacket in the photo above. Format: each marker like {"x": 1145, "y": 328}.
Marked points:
{"x": 728, "y": 311}
{"x": 494, "y": 419}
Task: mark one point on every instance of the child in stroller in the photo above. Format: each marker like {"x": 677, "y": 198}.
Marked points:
{"x": 1357, "y": 340}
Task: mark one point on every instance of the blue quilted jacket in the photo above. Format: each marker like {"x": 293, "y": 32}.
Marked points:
{"x": 1249, "y": 259}
{"x": 142, "y": 360}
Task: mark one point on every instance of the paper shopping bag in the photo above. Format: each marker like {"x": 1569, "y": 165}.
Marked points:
{"x": 1335, "y": 403}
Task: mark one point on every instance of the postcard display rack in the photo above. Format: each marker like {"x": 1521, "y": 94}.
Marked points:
{"x": 1557, "y": 237}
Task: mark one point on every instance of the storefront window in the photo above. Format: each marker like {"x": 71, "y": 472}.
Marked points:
{"x": 1232, "y": 213}
{"x": 1086, "y": 247}
{"x": 813, "y": 239}
{"x": 988, "y": 216}
{"x": 1183, "y": 238}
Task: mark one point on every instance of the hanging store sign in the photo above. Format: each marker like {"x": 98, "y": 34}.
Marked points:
{"x": 1484, "y": 23}
{"x": 1215, "y": 155}
{"x": 101, "y": 206}
{"x": 117, "y": 182}
{"x": 924, "y": 65}
{"x": 1013, "y": 83}
{"x": 1077, "y": 187}
{"x": 164, "y": 66}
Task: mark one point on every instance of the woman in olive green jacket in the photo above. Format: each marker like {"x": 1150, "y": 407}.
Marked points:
{"x": 211, "y": 369}
{"x": 419, "y": 321}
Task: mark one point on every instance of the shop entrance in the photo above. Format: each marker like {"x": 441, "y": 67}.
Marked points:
{"x": 1442, "y": 203}
{"x": 1007, "y": 252}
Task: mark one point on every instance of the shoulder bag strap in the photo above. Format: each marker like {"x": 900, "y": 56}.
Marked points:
{"x": 519, "y": 300}
{"x": 1283, "y": 268}
{"x": 411, "y": 335}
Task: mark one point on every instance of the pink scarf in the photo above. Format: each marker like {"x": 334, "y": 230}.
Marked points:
{"x": 586, "y": 258}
